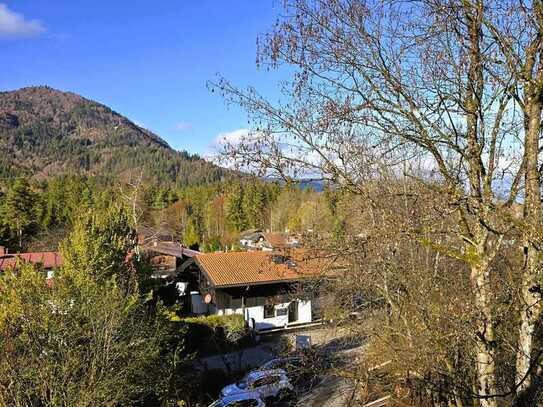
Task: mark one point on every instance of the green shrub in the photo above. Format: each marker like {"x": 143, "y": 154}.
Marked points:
{"x": 233, "y": 325}
{"x": 216, "y": 333}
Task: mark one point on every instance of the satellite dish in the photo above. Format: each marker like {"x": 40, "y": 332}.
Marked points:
{"x": 207, "y": 298}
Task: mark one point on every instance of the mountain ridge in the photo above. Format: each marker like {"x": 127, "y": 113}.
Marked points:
{"x": 46, "y": 132}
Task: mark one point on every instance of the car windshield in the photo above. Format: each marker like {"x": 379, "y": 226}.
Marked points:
{"x": 275, "y": 363}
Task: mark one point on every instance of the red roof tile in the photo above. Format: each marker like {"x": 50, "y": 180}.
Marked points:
{"x": 249, "y": 268}
{"x": 47, "y": 260}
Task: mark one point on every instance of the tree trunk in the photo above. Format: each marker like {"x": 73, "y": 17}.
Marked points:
{"x": 480, "y": 270}
{"x": 530, "y": 316}
{"x": 485, "y": 357}
{"x": 530, "y": 289}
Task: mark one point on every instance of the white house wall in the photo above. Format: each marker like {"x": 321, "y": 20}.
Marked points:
{"x": 304, "y": 312}
{"x": 278, "y": 321}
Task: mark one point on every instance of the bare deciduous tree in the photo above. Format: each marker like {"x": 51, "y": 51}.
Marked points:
{"x": 446, "y": 92}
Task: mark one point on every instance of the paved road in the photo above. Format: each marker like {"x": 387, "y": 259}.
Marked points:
{"x": 332, "y": 391}
{"x": 246, "y": 359}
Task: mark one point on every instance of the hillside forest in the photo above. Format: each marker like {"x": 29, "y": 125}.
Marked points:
{"x": 36, "y": 215}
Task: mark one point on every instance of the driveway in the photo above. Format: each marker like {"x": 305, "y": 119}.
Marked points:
{"x": 332, "y": 391}
{"x": 244, "y": 359}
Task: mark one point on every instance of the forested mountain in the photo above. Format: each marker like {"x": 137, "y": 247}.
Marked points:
{"x": 46, "y": 132}
{"x": 62, "y": 155}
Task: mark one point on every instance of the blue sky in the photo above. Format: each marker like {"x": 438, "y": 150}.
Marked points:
{"x": 148, "y": 60}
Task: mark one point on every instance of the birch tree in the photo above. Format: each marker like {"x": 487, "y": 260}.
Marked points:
{"x": 445, "y": 92}
{"x": 518, "y": 37}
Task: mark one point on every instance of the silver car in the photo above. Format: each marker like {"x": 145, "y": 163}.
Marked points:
{"x": 304, "y": 372}
{"x": 247, "y": 399}
{"x": 287, "y": 363}
{"x": 267, "y": 383}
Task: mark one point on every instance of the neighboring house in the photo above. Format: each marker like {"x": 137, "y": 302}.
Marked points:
{"x": 260, "y": 285}
{"x": 165, "y": 253}
{"x": 167, "y": 257}
{"x": 255, "y": 239}
{"x": 48, "y": 261}
{"x": 148, "y": 235}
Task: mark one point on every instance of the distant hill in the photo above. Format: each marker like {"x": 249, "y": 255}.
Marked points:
{"x": 46, "y": 132}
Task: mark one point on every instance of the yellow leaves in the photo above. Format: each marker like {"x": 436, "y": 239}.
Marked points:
{"x": 467, "y": 254}
{"x": 148, "y": 297}
{"x": 171, "y": 315}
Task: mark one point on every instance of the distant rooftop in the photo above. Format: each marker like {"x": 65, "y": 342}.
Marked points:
{"x": 48, "y": 260}
{"x": 170, "y": 249}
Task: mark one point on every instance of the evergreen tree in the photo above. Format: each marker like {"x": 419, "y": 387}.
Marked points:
{"x": 254, "y": 205}
{"x": 161, "y": 198}
{"x": 18, "y": 210}
{"x": 234, "y": 208}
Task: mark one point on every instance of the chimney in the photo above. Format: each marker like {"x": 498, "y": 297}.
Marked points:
{"x": 3, "y": 251}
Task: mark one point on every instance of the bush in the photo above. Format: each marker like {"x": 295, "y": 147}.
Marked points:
{"x": 234, "y": 326}
{"x": 78, "y": 342}
{"x": 216, "y": 333}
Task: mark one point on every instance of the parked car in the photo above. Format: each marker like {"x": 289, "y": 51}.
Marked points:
{"x": 301, "y": 370}
{"x": 287, "y": 364}
{"x": 267, "y": 383}
{"x": 247, "y": 399}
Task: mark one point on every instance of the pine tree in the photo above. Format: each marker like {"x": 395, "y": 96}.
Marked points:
{"x": 190, "y": 237}
{"x": 18, "y": 210}
{"x": 254, "y": 205}
{"x": 235, "y": 213}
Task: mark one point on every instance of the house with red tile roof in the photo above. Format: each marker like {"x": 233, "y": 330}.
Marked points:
{"x": 263, "y": 286}
{"x": 47, "y": 261}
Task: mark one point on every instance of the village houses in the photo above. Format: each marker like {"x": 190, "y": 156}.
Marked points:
{"x": 262, "y": 286}
{"x": 262, "y": 283}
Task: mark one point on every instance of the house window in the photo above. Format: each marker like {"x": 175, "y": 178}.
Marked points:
{"x": 250, "y": 302}
{"x": 269, "y": 311}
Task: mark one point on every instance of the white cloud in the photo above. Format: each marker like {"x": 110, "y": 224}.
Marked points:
{"x": 183, "y": 126}
{"x": 15, "y": 25}
{"x": 230, "y": 137}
